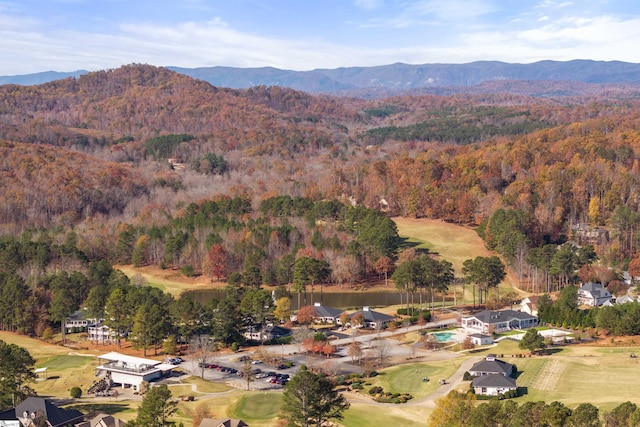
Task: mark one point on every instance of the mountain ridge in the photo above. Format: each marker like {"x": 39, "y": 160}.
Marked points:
{"x": 394, "y": 78}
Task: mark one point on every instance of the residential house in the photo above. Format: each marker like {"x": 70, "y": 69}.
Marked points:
{"x": 101, "y": 334}
{"x": 327, "y": 314}
{"x": 102, "y": 420}
{"x": 529, "y": 305}
{"x": 490, "y": 321}
{"x": 372, "y": 319}
{"x": 224, "y": 422}
{"x": 259, "y": 333}
{"x": 34, "y": 410}
{"x": 490, "y": 365}
{"x": 8, "y": 418}
{"x": 625, "y": 299}
{"x": 77, "y": 322}
{"x": 593, "y": 294}
{"x": 493, "y": 385}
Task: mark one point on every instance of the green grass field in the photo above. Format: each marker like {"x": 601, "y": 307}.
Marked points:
{"x": 204, "y": 386}
{"x": 363, "y": 415}
{"x": 408, "y": 378}
{"x": 64, "y": 372}
{"x": 257, "y": 407}
{"x": 451, "y": 242}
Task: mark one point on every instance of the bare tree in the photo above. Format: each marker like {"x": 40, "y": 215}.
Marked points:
{"x": 330, "y": 368}
{"x": 381, "y": 349}
{"x": 202, "y": 346}
{"x": 355, "y": 351}
{"x": 300, "y": 335}
{"x": 247, "y": 373}
{"x": 429, "y": 342}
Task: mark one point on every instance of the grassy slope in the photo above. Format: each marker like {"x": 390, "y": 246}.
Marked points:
{"x": 169, "y": 281}
{"x": 451, "y": 242}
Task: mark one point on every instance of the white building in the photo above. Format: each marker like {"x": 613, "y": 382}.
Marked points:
{"x": 132, "y": 371}
{"x": 593, "y": 294}
{"x": 490, "y": 321}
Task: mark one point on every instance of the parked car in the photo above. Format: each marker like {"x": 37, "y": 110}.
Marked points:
{"x": 256, "y": 362}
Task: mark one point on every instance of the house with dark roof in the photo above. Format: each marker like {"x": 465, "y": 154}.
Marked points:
{"x": 490, "y": 321}
{"x": 224, "y": 422}
{"x": 493, "y": 385}
{"x": 490, "y": 365}
{"x": 326, "y": 314}
{"x": 372, "y": 319}
{"x": 593, "y": 294}
{"x": 8, "y": 418}
{"x": 34, "y": 410}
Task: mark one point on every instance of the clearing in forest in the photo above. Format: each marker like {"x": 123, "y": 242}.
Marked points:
{"x": 452, "y": 242}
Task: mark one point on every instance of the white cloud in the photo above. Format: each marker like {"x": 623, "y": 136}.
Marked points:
{"x": 451, "y": 10}
{"x": 551, "y": 4}
{"x": 28, "y": 47}
{"x": 369, "y": 4}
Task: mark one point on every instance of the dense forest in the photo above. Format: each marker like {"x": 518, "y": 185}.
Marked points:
{"x": 143, "y": 165}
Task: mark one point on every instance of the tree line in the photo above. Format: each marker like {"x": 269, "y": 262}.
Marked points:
{"x": 291, "y": 242}
{"x": 460, "y": 410}
{"x": 618, "y": 319}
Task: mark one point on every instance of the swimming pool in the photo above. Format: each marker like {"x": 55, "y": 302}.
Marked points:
{"x": 443, "y": 336}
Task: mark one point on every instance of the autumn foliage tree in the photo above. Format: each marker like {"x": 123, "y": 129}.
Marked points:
{"x": 306, "y": 314}
{"x": 215, "y": 262}
{"x": 384, "y": 265}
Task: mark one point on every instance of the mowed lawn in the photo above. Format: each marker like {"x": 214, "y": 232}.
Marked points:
{"x": 451, "y": 242}
{"x": 170, "y": 281}
{"x": 364, "y": 415}
{"x": 257, "y": 408}
{"x": 64, "y": 370}
{"x": 37, "y": 349}
{"x": 409, "y": 378}
{"x": 603, "y": 377}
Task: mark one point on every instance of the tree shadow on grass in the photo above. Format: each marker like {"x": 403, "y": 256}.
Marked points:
{"x": 99, "y": 408}
{"x": 405, "y": 243}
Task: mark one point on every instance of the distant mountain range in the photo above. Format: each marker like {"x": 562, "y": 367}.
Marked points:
{"x": 395, "y": 77}
{"x": 39, "y": 78}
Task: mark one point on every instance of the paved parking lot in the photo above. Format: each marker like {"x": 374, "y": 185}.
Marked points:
{"x": 229, "y": 370}
{"x": 340, "y": 363}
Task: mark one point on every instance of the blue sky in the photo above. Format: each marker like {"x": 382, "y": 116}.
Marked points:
{"x": 66, "y": 35}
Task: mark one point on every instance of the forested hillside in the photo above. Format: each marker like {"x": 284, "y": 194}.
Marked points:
{"x": 129, "y": 159}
